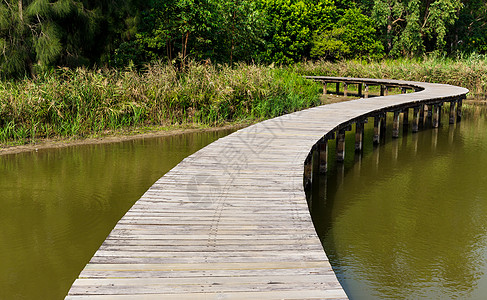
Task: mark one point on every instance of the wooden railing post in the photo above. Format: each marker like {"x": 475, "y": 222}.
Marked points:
{"x": 359, "y": 87}
{"x": 366, "y": 94}
{"x": 324, "y": 88}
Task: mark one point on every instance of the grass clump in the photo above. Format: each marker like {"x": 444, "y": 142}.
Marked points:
{"x": 466, "y": 71}
{"x": 81, "y": 102}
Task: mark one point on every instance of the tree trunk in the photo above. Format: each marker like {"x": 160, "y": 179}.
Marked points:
{"x": 389, "y": 31}
{"x": 21, "y": 11}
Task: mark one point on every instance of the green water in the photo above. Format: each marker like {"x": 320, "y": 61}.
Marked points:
{"x": 57, "y": 206}
{"x": 408, "y": 219}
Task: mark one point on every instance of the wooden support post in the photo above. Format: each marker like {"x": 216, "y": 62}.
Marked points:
{"x": 452, "y": 112}
{"x": 395, "y": 125}
{"x": 436, "y": 116}
{"x": 386, "y": 90}
{"x": 440, "y": 113}
{"x": 338, "y": 88}
{"x": 383, "y": 126}
{"x": 382, "y": 90}
{"x": 345, "y": 89}
{"x": 421, "y": 115}
{"x": 366, "y": 94}
{"x": 323, "y": 153}
{"x": 324, "y": 87}
{"x": 308, "y": 169}
{"x": 405, "y": 118}
{"x": 416, "y": 119}
{"x": 340, "y": 145}
{"x": 459, "y": 110}
{"x": 426, "y": 113}
{"x": 359, "y": 87}
{"x": 359, "y": 136}
{"x": 378, "y": 129}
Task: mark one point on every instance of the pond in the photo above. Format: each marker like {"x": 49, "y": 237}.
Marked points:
{"x": 407, "y": 219}
{"x": 58, "y": 206}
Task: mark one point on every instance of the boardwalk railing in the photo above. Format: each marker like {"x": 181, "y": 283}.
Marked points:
{"x": 231, "y": 221}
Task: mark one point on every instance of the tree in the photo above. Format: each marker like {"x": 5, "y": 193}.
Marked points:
{"x": 470, "y": 31}
{"x": 411, "y": 27}
{"x": 353, "y": 36}
{"x": 291, "y": 25}
{"x": 42, "y": 33}
{"x": 242, "y": 29}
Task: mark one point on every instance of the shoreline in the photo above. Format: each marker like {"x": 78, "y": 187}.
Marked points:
{"x": 135, "y": 133}
{"x": 113, "y": 137}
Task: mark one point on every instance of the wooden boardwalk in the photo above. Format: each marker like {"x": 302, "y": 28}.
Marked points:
{"x": 231, "y": 221}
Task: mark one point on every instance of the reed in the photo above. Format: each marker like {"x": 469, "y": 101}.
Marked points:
{"x": 81, "y": 102}
{"x": 468, "y": 71}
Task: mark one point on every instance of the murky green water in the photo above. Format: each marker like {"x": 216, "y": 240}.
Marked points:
{"x": 408, "y": 220}
{"x": 57, "y": 206}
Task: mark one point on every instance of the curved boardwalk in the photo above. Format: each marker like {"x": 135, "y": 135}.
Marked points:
{"x": 231, "y": 221}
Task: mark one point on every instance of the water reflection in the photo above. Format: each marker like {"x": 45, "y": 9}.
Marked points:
{"x": 409, "y": 222}
{"x": 58, "y": 205}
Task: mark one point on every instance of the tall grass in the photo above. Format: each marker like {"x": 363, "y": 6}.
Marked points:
{"x": 467, "y": 71}
{"x": 81, "y": 102}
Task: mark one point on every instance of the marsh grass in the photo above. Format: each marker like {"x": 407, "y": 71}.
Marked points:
{"x": 81, "y": 102}
{"x": 466, "y": 71}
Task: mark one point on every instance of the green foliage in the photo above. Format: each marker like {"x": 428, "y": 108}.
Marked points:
{"x": 470, "y": 31}
{"x": 411, "y": 27}
{"x": 81, "y": 102}
{"x": 352, "y": 36}
{"x": 291, "y": 26}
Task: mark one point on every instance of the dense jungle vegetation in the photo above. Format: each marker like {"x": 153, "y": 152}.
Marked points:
{"x": 36, "y": 35}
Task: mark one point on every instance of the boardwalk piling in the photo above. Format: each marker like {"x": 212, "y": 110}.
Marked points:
{"x": 324, "y": 88}
{"x": 459, "y": 110}
{"x": 377, "y": 127}
{"x": 345, "y": 89}
{"x": 425, "y": 114}
{"x": 452, "y": 112}
{"x": 338, "y": 88}
{"x": 323, "y": 153}
{"x": 383, "y": 127}
{"x": 405, "y": 119}
{"x": 359, "y": 136}
{"x": 415, "y": 126}
{"x": 308, "y": 168}
{"x": 359, "y": 87}
{"x": 366, "y": 94}
{"x": 436, "y": 115}
{"x": 395, "y": 125}
{"x": 340, "y": 145}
